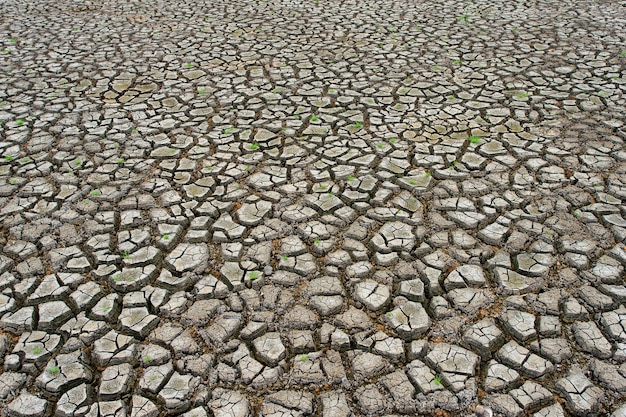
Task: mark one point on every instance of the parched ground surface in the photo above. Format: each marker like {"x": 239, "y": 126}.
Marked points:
{"x": 312, "y": 208}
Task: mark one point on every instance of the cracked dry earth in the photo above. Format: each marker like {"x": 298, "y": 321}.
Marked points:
{"x": 321, "y": 208}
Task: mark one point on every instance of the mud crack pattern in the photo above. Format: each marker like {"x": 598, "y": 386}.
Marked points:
{"x": 322, "y": 208}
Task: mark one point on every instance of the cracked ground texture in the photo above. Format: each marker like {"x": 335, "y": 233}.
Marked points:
{"x": 322, "y": 208}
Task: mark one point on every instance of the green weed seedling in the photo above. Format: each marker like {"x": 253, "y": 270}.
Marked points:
{"x": 166, "y": 236}
{"x": 126, "y": 255}
{"x": 8, "y": 158}
{"x": 19, "y": 122}
{"x": 147, "y": 359}
{"x": 36, "y": 351}
{"x": 474, "y": 139}
{"x": 53, "y": 370}
{"x": 253, "y": 275}
{"x": 96, "y": 192}
{"x": 254, "y": 146}
{"x": 437, "y": 380}
{"x": 314, "y": 118}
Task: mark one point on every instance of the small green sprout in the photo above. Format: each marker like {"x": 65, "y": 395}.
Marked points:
{"x": 623, "y": 53}
{"x": 229, "y": 130}
{"x": 285, "y": 257}
{"x": 96, "y": 192}
{"x": 166, "y": 236}
{"x": 323, "y": 186}
{"x": 108, "y": 307}
{"x": 351, "y": 178}
{"x": 428, "y": 174}
{"x": 36, "y": 351}
{"x": 77, "y": 162}
{"x": 13, "y": 180}
{"x": 189, "y": 64}
{"x": 457, "y": 62}
{"x": 304, "y": 358}
{"x": 116, "y": 277}
{"x": 53, "y": 370}
{"x": 254, "y": 146}
{"x": 247, "y": 168}
{"x": 120, "y": 160}
{"x": 412, "y": 181}
{"x": 296, "y": 116}
{"x": 393, "y": 140}
{"x": 201, "y": 91}
{"x": 253, "y": 275}
{"x": 25, "y": 160}
{"x": 437, "y": 380}
{"x": 380, "y": 144}
{"x": 317, "y": 240}
{"x": 147, "y": 359}
{"x": 314, "y": 118}
{"x": 522, "y": 95}
{"x": 13, "y": 40}
{"x": 577, "y": 213}
{"x": 435, "y": 67}
{"x": 19, "y": 122}
{"x": 8, "y": 158}
{"x": 474, "y": 139}
{"x": 126, "y": 255}
{"x": 358, "y": 125}
{"x": 331, "y": 90}
{"x": 209, "y": 167}
{"x": 390, "y": 315}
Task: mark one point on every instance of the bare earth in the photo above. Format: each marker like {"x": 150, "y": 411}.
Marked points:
{"x": 312, "y": 208}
